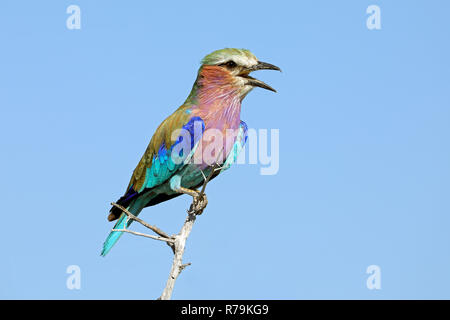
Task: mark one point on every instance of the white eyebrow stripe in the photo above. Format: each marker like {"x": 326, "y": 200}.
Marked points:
{"x": 240, "y": 60}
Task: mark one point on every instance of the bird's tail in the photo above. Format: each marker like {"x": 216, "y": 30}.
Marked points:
{"x": 121, "y": 223}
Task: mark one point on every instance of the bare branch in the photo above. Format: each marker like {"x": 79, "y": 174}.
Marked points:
{"x": 145, "y": 235}
{"x": 177, "y": 264}
{"x": 145, "y": 224}
{"x": 199, "y": 202}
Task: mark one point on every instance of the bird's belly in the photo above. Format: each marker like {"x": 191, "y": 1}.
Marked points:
{"x": 193, "y": 175}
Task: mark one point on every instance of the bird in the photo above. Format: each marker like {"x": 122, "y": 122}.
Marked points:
{"x": 194, "y": 138}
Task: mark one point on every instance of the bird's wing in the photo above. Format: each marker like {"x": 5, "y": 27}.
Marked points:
{"x": 159, "y": 163}
{"x": 241, "y": 139}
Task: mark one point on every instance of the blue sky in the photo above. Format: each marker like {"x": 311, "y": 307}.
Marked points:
{"x": 364, "y": 172}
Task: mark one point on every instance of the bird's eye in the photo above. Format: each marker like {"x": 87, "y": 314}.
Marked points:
{"x": 229, "y": 64}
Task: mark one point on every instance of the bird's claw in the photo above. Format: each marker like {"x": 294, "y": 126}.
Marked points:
{"x": 199, "y": 204}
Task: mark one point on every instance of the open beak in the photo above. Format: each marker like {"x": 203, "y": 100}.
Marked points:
{"x": 258, "y": 83}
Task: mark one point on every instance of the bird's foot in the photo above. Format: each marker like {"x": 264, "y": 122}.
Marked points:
{"x": 199, "y": 203}
{"x": 199, "y": 200}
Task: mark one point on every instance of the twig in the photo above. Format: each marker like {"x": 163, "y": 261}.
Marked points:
{"x": 145, "y": 235}
{"x": 145, "y": 224}
{"x": 184, "y": 266}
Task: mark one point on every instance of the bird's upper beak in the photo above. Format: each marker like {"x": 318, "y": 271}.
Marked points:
{"x": 255, "y": 82}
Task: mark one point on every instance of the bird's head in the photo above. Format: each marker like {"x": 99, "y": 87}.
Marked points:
{"x": 233, "y": 66}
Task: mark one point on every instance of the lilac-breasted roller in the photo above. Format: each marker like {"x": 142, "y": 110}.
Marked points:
{"x": 206, "y": 129}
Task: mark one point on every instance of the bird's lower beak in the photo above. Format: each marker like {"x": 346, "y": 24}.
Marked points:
{"x": 258, "y": 83}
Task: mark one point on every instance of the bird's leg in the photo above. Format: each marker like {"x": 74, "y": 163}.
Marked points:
{"x": 199, "y": 200}
{"x": 192, "y": 193}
